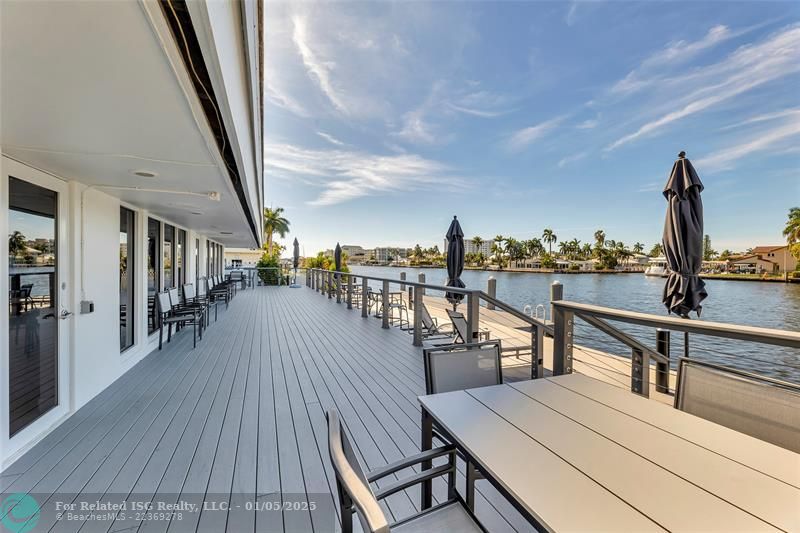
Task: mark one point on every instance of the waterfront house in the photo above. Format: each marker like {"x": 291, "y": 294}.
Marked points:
{"x": 775, "y": 259}
{"x": 243, "y": 257}
{"x": 131, "y": 141}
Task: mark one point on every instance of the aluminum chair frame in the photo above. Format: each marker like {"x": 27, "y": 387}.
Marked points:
{"x": 731, "y": 373}
{"x": 353, "y": 484}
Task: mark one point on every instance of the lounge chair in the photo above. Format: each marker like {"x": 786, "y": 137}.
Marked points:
{"x": 458, "y": 367}
{"x": 356, "y": 494}
{"x": 762, "y": 407}
{"x": 460, "y": 327}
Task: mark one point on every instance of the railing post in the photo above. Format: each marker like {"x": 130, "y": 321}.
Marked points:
{"x": 562, "y": 341}
{"x": 640, "y": 372}
{"x": 417, "y": 316}
{"x": 308, "y": 279}
{"x": 330, "y": 284}
{"x": 385, "y": 304}
{"x": 402, "y": 278}
{"x": 411, "y": 297}
{"x": 338, "y": 287}
{"x": 349, "y": 291}
{"x": 537, "y": 352}
{"x": 364, "y": 297}
{"x": 473, "y": 315}
{"x": 421, "y": 279}
{"x": 491, "y": 290}
{"x": 662, "y": 369}
{"x": 556, "y": 293}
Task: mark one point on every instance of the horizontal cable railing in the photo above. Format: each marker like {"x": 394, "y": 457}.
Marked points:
{"x": 381, "y": 295}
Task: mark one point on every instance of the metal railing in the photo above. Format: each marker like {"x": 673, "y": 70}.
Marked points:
{"x": 344, "y": 287}
{"x": 356, "y": 291}
{"x": 565, "y": 313}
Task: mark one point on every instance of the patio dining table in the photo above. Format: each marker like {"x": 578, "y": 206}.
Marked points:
{"x": 575, "y": 454}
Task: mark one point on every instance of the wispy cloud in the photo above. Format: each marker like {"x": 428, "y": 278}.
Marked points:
{"x": 572, "y": 13}
{"x": 345, "y": 175}
{"x": 572, "y": 159}
{"x": 475, "y": 112}
{"x": 277, "y": 96}
{"x": 794, "y": 112}
{"x": 745, "y": 69}
{"x": 676, "y": 53}
{"x": 330, "y": 138}
{"x": 588, "y": 124}
{"x": 651, "y": 186}
{"x": 772, "y": 139}
{"x": 320, "y": 71}
{"x": 524, "y": 137}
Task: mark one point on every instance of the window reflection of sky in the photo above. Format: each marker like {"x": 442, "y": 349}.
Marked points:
{"x": 31, "y": 226}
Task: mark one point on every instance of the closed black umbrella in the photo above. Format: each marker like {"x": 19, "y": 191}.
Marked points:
{"x": 337, "y": 258}
{"x": 296, "y": 254}
{"x": 683, "y": 240}
{"x": 455, "y": 261}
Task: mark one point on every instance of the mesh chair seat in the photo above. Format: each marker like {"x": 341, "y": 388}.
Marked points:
{"x": 764, "y": 408}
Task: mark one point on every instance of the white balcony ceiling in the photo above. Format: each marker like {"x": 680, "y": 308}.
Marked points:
{"x": 89, "y": 94}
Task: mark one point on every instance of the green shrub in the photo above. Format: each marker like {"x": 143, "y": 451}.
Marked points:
{"x": 267, "y": 265}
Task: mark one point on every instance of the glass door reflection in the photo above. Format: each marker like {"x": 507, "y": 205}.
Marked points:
{"x": 33, "y": 303}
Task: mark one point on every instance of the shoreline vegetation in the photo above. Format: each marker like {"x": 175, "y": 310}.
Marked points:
{"x": 722, "y": 276}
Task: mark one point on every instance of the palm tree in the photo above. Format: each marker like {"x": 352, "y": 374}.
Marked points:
{"x": 477, "y": 242}
{"x": 792, "y": 229}
{"x": 274, "y": 222}
{"x": 563, "y": 248}
{"x": 549, "y": 237}
{"x": 16, "y": 244}
{"x": 533, "y": 247}
{"x": 600, "y": 238}
{"x": 586, "y": 251}
{"x": 638, "y": 248}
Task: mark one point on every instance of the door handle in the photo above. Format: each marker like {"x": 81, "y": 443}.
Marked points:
{"x": 65, "y": 314}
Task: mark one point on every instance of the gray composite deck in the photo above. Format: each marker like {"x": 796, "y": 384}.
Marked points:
{"x": 242, "y": 417}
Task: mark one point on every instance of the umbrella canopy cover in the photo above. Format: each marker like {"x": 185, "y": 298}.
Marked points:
{"x": 455, "y": 260}
{"x": 337, "y": 257}
{"x": 296, "y": 254}
{"x": 683, "y": 240}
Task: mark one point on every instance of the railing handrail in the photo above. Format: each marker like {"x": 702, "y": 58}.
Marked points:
{"x": 409, "y": 283}
{"x": 533, "y": 321}
{"x": 762, "y": 335}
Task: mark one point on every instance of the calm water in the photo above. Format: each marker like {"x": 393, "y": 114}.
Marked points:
{"x": 772, "y": 305}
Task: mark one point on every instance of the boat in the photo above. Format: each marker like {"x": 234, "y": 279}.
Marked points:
{"x": 657, "y": 267}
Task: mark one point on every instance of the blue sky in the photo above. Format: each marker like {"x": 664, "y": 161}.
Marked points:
{"x": 383, "y": 120}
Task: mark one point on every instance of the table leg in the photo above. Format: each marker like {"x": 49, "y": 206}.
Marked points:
{"x": 426, "y": 444}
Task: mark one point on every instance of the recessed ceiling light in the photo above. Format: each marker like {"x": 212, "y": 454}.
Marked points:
{"x": 226, "y": 233}
{"x": 145, "y": 173}
{"x": 196, "y": 213}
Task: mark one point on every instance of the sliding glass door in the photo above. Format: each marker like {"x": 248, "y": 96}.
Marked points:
{"x": 33, "y": 310}
{"x": 127, "y": 223}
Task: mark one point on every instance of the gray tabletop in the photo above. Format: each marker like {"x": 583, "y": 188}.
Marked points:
{"x": 574, "y": 453}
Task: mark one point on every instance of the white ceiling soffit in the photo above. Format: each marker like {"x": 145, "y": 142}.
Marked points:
{"x": 90, "y": 92}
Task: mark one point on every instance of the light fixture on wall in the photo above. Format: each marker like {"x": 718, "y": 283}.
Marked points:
{"x": 144, "y": 173}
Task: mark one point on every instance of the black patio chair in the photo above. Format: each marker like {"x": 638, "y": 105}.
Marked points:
{"x": 762, "y": 407}
{"x": 201, "y": 297}
{"x": 216, "y": 292}
{"x": 460, "y": 327}
{"x": 356, "y": 494}
{"x": 167, "y": 315}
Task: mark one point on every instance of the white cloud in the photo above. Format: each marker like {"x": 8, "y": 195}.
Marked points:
{"x": 764, "y": 118}
{"x": 571, "y": 159}
{"x": 475, "y": 112}
{"x": 588, "y": 124}
{"x": 524, "y": 137}
{"x": 345, "y": 175}
{"x": 320, "y": 71}
{"x": 281, "y": 98}
{"x": 760, "y": 142}
{"x": 745, "y": 69}
{"x": 571, "y": 14}
{"x": 675, "y": 53}
{"x": 330, "y": 138}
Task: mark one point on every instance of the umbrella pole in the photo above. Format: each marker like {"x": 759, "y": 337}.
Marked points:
{"x": 686, "y": 344}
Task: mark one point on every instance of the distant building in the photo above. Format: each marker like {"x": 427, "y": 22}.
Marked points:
{"x": 485, "y": 247}
{"x": 242, "y": 257}
{"x": 384, "y": 254}
{"x": 765, "y": 260}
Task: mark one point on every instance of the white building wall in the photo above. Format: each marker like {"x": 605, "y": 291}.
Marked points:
{"x": 95, "y": 361}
